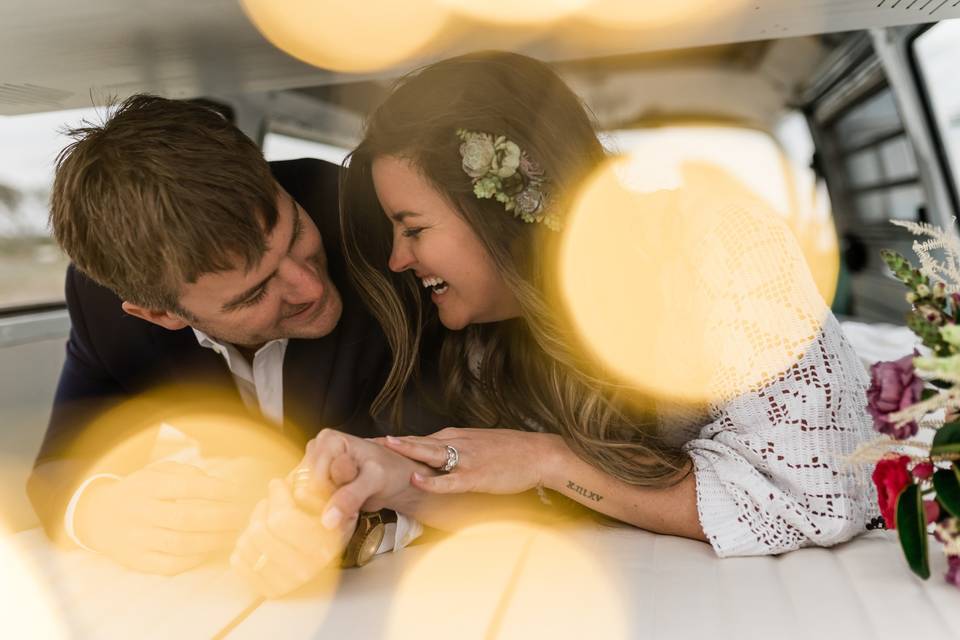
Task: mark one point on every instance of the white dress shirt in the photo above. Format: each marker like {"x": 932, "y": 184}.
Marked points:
{"x": 261, "y": 388}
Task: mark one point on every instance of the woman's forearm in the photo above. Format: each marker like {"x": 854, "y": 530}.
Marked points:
{"x": 669, "y": 510}
{"x": 453, "y": 512}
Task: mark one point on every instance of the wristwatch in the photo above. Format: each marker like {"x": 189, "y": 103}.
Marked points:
{"x": 366, "y": 538}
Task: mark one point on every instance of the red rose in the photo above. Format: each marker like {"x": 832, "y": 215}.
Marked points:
{"x": 891, "y": 477}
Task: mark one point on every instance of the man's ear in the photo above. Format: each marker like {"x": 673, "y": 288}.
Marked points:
{"x": 165, "y": 319}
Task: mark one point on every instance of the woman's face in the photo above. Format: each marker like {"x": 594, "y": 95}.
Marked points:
{"x": 431, "y": 238}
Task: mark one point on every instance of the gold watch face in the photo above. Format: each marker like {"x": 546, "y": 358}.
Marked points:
{"x": 370, "y": 544}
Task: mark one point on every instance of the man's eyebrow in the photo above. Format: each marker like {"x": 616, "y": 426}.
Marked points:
{"x": 297, "y": 229}
{"x": 399, "y": 216}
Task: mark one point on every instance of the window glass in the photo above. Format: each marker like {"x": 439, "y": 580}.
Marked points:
{"x": 898, "y": 159}
{"x": 870, "y": 119}
{"x": 864, "y": 168}
{"x": 905, "y": 202}
{"x": 31, "y": 265}
{"x": 872, "y": 206}
{"x": 938, "y": 50}
{"x": 279, "y": 146}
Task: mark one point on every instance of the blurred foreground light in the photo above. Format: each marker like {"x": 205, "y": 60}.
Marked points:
{"x": 631, "y": 14}
{"x": 507, "y": 580}
{"x": 511, "y": 12}
{"x": 202, "y": 427}
{"x": 28, "y": 609}
{"x": 682, "y": 283}
{"x": 345, "y": 35}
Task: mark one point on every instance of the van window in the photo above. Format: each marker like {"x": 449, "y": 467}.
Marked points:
{"x": 937, "y": 51}
{"x": 31, "y": 265}
{"x": 280, "y": 146}
{"x": 881, "y": 168}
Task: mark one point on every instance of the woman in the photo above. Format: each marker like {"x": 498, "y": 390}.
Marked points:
{"x": 430, "y": 236}
{"x": 757, "y": 474}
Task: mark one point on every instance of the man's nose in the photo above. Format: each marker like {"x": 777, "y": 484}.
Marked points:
{"x": 401, "y": 258}
{"x": 303, "y": 282}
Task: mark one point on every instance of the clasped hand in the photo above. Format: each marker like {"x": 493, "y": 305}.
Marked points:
{"x": 301, "y": 528}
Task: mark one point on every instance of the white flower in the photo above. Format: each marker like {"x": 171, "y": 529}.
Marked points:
{"x": 510, "y": 160}
{"x": 478, "y": 153}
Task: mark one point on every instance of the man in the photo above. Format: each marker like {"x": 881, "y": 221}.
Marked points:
{"x": 200, "y": 268}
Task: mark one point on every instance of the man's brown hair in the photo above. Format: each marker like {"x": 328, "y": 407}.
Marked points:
{"x": 161, "y": 193}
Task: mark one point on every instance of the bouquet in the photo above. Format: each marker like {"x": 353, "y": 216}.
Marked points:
{"x": 918, "y": 479}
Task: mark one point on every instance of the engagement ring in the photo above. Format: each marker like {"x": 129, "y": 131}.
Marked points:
{"x": 453, "y": 459}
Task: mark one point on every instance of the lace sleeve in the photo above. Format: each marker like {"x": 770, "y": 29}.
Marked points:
{"x": 770, "y": 466}
{"x": 789, "y": 401}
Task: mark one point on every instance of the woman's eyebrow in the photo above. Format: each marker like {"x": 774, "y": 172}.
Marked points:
{"x": 399, "y": 216}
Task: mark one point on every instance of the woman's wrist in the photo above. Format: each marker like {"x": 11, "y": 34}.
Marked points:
{"x": 551, "y": 459}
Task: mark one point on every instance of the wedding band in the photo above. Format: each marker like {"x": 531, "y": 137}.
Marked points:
{"x": 260, "y": 563}
{"x": 453, "y": 459}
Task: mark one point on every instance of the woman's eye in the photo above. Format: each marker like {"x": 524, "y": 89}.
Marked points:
{"x": 412, "y": 232}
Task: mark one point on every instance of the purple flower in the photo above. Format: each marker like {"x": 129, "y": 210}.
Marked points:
{"x": 953, "y": 570}
{"x": 894, "y": 386}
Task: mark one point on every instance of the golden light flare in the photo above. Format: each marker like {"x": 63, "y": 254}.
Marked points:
{"x": 755, "y": 160}
{"x": 683, "y": 283}
{"x": 345, "y": 35}
{"x": 510, "y": 12}
{"x": 632, "y": 14}
{"x": 507, "y": 580}
{"x": 194, "y": 425}
{"x": 28, "y": 607}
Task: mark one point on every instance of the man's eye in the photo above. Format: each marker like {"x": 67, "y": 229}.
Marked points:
{"x": 257, "y": 297}
{"x": 412, "y": 232}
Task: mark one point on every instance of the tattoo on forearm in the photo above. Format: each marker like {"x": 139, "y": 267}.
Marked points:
{"x": 586, "y": 493}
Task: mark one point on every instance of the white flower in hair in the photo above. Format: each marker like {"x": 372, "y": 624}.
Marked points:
{"x": 501, "y": 170}
{"x": 478, "y": 155}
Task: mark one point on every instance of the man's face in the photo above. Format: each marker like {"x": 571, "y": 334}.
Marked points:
{"x": 289, "y": 294}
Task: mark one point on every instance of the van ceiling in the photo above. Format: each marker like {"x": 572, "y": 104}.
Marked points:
{"x": 57, "y": 54}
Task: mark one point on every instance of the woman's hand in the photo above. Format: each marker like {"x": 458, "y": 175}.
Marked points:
{"x": 381, "y": 478}
{"x": 490, "y": 460}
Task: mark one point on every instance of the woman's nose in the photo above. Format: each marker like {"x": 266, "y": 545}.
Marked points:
{"x": 401, "y": 258}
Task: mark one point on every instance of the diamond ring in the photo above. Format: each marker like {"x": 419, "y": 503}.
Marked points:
{"x": 453, "y": 459}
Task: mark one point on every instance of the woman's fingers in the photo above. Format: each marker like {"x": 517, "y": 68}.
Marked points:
{"x": 449, "y": 483}
{"x": 425, "y": 450}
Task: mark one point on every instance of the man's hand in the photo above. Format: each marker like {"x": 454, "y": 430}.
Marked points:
{"x": 166, "y": 518}
{"x": 284, "y": 547}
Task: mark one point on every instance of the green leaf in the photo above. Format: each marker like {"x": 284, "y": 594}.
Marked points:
{"x": 947, "y": 484}
{"x": 926, "y": 394}
{"x": 911, "y": 525}
{"x": 946, "y": 440}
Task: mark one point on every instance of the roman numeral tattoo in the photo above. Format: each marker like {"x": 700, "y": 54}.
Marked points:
{"x": 586, "y": 493}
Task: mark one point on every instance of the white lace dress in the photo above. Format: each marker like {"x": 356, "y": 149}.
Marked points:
{"x": 771, "y": 462}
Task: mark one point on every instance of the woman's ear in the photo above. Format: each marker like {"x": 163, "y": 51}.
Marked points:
{"x": 165, "y": 319}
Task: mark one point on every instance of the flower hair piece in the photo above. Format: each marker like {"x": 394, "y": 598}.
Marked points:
{"x": 502, "y": 171}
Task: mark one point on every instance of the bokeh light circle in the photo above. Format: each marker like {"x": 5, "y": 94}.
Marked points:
{"x": 696, "y": 292}
{"x": 345, "y": 35}
{"x": 510, "y": 12}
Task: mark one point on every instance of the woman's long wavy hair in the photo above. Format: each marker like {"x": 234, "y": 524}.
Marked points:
{"x": 534, "y": 371}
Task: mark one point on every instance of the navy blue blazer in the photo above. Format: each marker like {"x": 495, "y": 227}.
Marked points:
{"x": 112, "y": 356}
